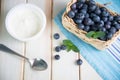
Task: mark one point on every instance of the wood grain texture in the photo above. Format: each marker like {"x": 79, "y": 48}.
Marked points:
{"x": 10, "y": 67}
{"x": 40, "y": 47}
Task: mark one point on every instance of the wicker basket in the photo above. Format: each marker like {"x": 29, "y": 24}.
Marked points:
{"x": 69, "y": 24}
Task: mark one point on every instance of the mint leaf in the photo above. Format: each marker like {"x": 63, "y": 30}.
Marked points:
{"x": 96, "y": 34}
{"x": 90, "y": 34}
{"x": 70, "y": 46}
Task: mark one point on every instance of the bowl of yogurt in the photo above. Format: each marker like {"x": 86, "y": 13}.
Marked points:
{"x": 25, "y": 22}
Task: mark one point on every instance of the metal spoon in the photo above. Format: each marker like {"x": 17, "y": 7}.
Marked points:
{"x": 36, "y": 64}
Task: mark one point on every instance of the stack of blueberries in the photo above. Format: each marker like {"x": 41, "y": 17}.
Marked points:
{"x": 90, "y": 17}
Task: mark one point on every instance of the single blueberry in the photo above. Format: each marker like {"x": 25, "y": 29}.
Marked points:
{"x": 96, "y": 18}
{"x": 57, "y": 48}
{"x": 63, "y": 47}
{"x": 79, "y": 16}
{"x": 113, "y": 30}
{"x": 83, "y": 11}
{"x": 100, "y": 24}
{"x": 97, "y": 11}
{"x": 107, "y": 26}
{"x": 105, "y": 19}
{"x": 79, "y": 5}
{"x": 102, "y": 29}
{"x": 109, "y": 35}
{"x": 105, "y": 13}
{"x": 71, "y": 14}
{"x": 87, "y": 21}
{"x": 57, "y": 57}
{"x": 92, "y": 15}
{"x": 103, "y": 9}
{"x": 87, "y": 28}
{"x": 86, "y": 15}
{"x": 117, "y": 18}
{"x": 92, "y": 7}
{"x": 91, "y": 2}
{"x": 110, "y": 18}
{"x": 77, "y": 21}
{"x": 73, "y": 6}
{"x": 117, "y": 26}
{"x": 114, "y": 23}
{"x": 85, "y": 6}
{"x": 56, "y": 36}
{"x": 80, "y": 26}
{"x": 79, "y": 62}
{"x": 75, "y": 11}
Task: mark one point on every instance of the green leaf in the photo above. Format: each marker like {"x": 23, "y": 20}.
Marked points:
{"x": 90, "y": 34}
{"x": 70, "y": 46}
{"x": 100, "y": 34}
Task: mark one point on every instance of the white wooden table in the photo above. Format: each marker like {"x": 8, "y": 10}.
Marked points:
{"x": 15, "y": 68}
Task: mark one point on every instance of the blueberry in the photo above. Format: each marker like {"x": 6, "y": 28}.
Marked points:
{"x": 110, "y": 18}
{"x": 96, "y": 18}
{"x": 102, "y": 29}
{"x": 103, "y": 38}
{"x": 100, "y": 24}
{"x": 105, "y": 19}
{"x": 57, "y": 48}
{"x": 109, "y": 35}
{"x": 92, "y": 15}
{"x": 82, "y": 1}
{"x": 117, "y": 26}
{"x": 83, "y": 11}
{"x": 80, "y": 26}
{"x": 87, "y": 21}
{"x": 105, "y": 13}
{"x": 73, "y": 6}
{"x": 71, "y": 14}
{"x": 56, "y": 36}
{"x": 91, "y": 2}
{"x": 78, "y": 21}
{"x": 113, "y": 30}
{"x": 92, "y": 8}
{"x": 63, "y": 47}
{"x": 75, "y": 11}
{"x": 93, "y": 28}
{"x": 117, "y": 18}
{"x": 107, "y": 26}
{"x": 103, "y": 9}
{"x": 57, "y": 57}
{"x": 79, "y": 16}
{"x": 85, "y": 6}
{"x": 87, "y": 28}
{"x": 108, "y": 22}
{"x": 86, "y": 15}
{"x": 97, "y": 11}
{"x": 114, "y": 23}
{"x": 79, "y": 62}
{"x": 79, "y": 5}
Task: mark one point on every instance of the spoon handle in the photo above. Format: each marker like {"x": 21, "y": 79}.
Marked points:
{"x": 6, "y": 49}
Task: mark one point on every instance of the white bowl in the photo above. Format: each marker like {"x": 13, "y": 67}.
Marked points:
{"x": 11, "y": 21}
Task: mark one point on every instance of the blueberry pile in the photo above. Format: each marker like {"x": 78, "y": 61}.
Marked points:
{"x": 90, "y": 17}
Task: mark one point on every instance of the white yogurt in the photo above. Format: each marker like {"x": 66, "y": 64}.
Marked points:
{"x": 24, "y": 22}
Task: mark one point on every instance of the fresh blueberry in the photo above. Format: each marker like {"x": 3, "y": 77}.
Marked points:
{"x": 93, "y": 28}
{"x": 63, "y": 47}
{"x": 56, "y": 36}
{"x": 109, "y": 35}
{"x": 79, "y": 16}
{"x": 57, "y": 48}
{"x": 102, "y": 29}
{"x": 96, "y": 18}
{"x": 105, "y": 19}
{"x": 117, "y": 26}
{"x": 97, "y": 11}
{"x": 75, "y": 11}
{"x": 77, "y": 21}
{"x": 117, "y": 18}
{"x": 92, "y": 8}
{"x": 103, "y": 9}
{"x": 79, "y": 62}
{"x": 83, "y": 11}
{"x": 79, "y": 5}
{"x": 82, "y": 1}
{"x": 113, "y": 30}
{"x": 87, "y": 21}
{"x": 57, "y": 57}
{"x": 86, "y": 15}
{"x": 114, "y": 23}
{"x": 105, "y": 13}
{"x": 87, "y": 28}
{"x": 73, "y": 6}
{"x": 108, "y": 22}
{"x": 85, "y": 6}
{"x": 71, "y": 14}
{"x": 100, "y": 24}
{"x": 92, "y": 15}
{"x": 91, "y": 2}
{"x": 80, "y": 26}
{"x": 103, "y": 38}
{"x": 110, "y": 18}
{"x": 107, "y": 26}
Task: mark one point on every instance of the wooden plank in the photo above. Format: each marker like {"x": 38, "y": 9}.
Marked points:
{"x": 87, "y": 72}
{"x": 10, "y": 66}
{"x": 40, "y": 47}
{"x": 65, "y": 68}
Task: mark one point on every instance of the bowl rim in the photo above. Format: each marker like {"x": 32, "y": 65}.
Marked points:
{"x": 33, "y": 7}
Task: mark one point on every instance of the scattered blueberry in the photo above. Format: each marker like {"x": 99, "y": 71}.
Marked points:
{"x": 57, "y": 48}
{"x": 71, "y": 14}
{"x": 57, "y": 57}
{"x": 63, "y": 47}
{"x": 56, "y": 36}
{"x": 79, "y": 62}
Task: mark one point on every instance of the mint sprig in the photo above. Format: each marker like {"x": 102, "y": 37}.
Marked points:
{"x": 70, "y": 46}
{"x": 95, "y": 34}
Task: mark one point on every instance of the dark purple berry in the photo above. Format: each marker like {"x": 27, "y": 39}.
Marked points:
{"x": 110, "y": 18}
{"x": 80, "y": 26}
{"x": 92, "y": 8}
{"x": 85, "y": 6}
{"x": 56, "y": 36}
{"x": 97, "y": 11}
{"x": 57, "y": 48}
{"x": 71, "y": 14}
{"x": 100, "y": 24}
{"x": 87, "y": 21}
{"x": 117, "y": 18}
{"x": 102, "y": 29}
{"x": 117, "y": 26}
{"x": 86, "y": 15}
{"x": 107, "y": 26}
{"x": 105, "y": 19}
{"x": 96, "y": 18}
{"x": 113, "y": 30}
{"x": 92, "y": 15}
{"x": 63, "y": 47}
{"x": 57, "y": 57}
{"x": 83, "y": 11}
{"x": 73, "y": 6}
{"x": 109, "y": 35}
{"x": 79, "y": 62}
{"x": 79, "y": 5}
{"x": 105, "y": 13}
{"x": 79, "y": 16}
{"x": 87, "y": 28}
{"x": 77, "y": 21}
